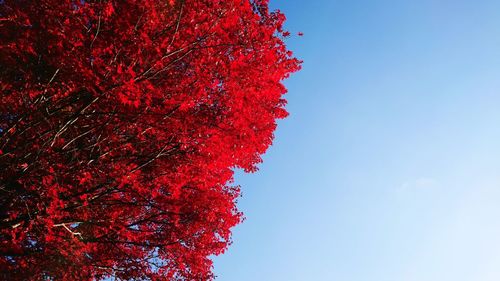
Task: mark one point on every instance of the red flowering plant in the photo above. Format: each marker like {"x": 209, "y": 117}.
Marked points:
{"x": 121, "y": 123}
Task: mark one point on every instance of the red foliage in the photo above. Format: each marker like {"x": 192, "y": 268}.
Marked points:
{"x": 120, "y": 125}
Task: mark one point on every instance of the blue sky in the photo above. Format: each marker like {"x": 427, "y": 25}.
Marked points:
{"x": 388, "y": 168}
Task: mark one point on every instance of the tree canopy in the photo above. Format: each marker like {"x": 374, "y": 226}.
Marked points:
{"x": 121, "y": 123}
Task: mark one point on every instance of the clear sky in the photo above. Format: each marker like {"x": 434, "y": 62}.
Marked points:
{"x": 388, "y": 168}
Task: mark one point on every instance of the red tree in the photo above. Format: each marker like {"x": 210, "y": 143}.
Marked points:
{"x": 120, "y": 125}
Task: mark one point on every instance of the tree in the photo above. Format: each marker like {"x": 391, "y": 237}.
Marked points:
{"x": 121, "y": 123}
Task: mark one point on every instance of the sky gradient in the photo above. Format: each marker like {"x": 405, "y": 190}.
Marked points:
{"x": 388, "y": 167}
